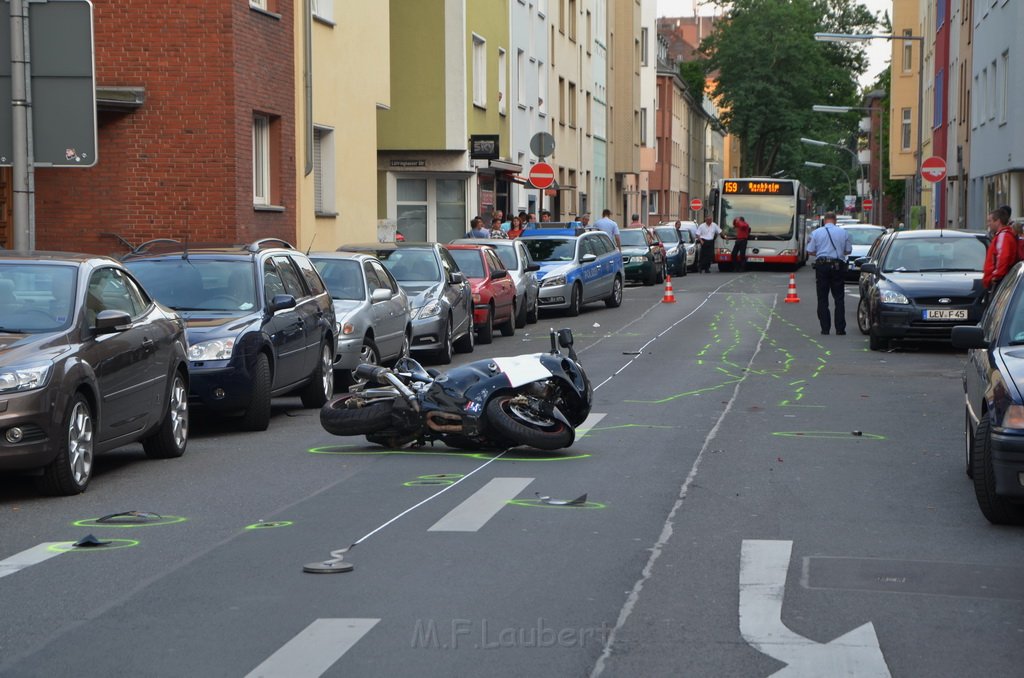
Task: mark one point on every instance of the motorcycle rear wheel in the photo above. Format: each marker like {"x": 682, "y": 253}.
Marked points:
{"x": 340, "y": 420}
{"x": 526, "y": 427}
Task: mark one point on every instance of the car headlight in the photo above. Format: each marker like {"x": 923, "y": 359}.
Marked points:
{"x": 1014, "y": 417}
{"x": 215, "y": 349}
{"x": 672, "y": 251}
{"x": 637, "y": 260}
{"x": 553, "y": 281}
{"x": 433, "y": 308}
{"x": 24, "y": 377}
{"x": 346, "y": 329}
{"x": 893, "y": 297}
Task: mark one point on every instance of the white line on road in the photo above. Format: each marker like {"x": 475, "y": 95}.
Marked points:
{"x": 472, "y": 514}
{"x": 763, "y": 568}
{"x": 315, "y": 649}
{"x": 29, "y": 557}
{"x": 590, "y": 422}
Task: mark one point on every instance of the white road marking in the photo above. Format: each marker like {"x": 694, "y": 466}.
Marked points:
{"x": 590, "y": 422}
{"x": 315, "y": 649}
{"x": 29, "y": 557}
{"x": 763, "y": 568}
{"x": 472, "y": 514}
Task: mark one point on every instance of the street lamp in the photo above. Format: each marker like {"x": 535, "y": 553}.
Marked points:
{"x": 816, "y": 142}
{"x": 877, "y": 212}
{"x": 819, "y": 165}
{"x": 862, "y": 37}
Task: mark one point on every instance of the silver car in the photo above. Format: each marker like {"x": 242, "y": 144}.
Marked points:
{"x": 373, "y": 317}
{"x": 522, "y": 268}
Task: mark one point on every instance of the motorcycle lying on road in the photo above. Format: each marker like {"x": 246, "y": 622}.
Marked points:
{"x": 536, "y": 400}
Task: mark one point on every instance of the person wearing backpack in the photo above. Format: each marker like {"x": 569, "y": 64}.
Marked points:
{"x": 1002, "y": 251}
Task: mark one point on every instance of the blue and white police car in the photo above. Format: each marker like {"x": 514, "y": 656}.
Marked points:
{"x": 577, "y": 267}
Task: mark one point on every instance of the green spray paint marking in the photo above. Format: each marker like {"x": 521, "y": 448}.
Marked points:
{"x": 164, "y": 520}
{"x": 485, "y": 456}
{"x": 269, "y": 524}
{"x": 537, "y": 503}
{"x": 827, "y": 434}
{"x": 66, "y": 546}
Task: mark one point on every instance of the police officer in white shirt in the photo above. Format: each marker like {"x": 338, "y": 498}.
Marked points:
{"x": 830, "y": 245}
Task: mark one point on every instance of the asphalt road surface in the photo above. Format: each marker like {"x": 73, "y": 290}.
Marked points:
{"x": 760, "y": 499}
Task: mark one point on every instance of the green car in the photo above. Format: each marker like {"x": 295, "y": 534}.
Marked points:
{"x": 643, "y": 256}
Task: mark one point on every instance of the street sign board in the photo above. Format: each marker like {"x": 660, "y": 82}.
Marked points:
{"x": 696, "y": 205}
{"x": 542, "y": 144}
{"x": 542, "y": 175}
{"x": 867, "y": 204}
{"x": 933, "y": 169}
{"x": 63, "y": 113}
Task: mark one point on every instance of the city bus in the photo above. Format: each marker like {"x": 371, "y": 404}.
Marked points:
{"x": 776, "y": 210}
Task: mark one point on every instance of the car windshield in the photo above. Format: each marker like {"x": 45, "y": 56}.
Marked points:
{"x": 470, "y": 262}
{"x": 411, "y": 265}
{"x": 197, "y": 284}
{"x": 667, "y": 234}
{"x": 551, "y": 249}
{"x": 343, "y": 277}
{"x": 864, "y": 236}
{"x": 507, "y": 254}
{"x": 36, "y": 298}
{"x": 632, "y": 237}
{"x": 935, "y": 254}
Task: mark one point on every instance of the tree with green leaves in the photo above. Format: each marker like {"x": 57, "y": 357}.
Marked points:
{"x": 769, "y": 71}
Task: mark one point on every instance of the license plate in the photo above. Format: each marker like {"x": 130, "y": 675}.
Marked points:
{"x": 945, "y": 314}
{"x": 756, "y": 260}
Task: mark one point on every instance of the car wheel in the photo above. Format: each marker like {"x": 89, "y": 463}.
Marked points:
{"x": 521, "y": 313}
{"x": 406, "y": 347}
{"x": 533, "y": 315}
{"x": 508, "y": 328}
{"x": 574, "y": 301}
{"x": 257, "y": 415}
{"x": 875, "y": 342}
{"x": 321, "y": 383}
{"x": 997, "y": 510}
{"x": 863, "y": 319}
{"x": 368, "y": 355}
{"x": 485, "y": 332}
{"x": 968, "y": 443}
{"x": 70, "y": 471}
{"x": 171, "y": 438}
{"x": 443, "y": 356}
{"x": 467, "y": 341}
{"x": 614, "y": 300}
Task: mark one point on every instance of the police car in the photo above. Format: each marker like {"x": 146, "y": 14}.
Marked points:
{"x": 577, "y": 266}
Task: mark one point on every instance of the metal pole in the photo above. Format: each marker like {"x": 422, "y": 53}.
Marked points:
{"x": 880, "y": 212}
{"x": 920, "y": 125}
{"x": 20, "y": 122}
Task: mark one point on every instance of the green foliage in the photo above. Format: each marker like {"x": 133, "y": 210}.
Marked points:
{"x": 694, "y": 76}
{"x": 771, "y": 71}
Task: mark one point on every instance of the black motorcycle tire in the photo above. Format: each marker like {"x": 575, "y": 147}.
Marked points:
{"x": 340, "y": 420}
{"x": 504, "y": 420}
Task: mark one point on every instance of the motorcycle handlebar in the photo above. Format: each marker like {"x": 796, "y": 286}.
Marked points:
{"x": 370, "y": 372}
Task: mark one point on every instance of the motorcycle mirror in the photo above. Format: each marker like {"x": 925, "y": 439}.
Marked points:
{"x": 565, "y": 337}
{"x": 413, "y": 368}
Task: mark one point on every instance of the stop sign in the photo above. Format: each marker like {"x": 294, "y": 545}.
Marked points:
{"x": 933, "y": 169}
{"x": 696, "y": 204}
{"x": 542, "y": 175}
{"x": 867, "y": 203}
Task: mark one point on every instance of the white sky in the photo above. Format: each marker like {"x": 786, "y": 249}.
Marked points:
{"x": 879, "y": 51}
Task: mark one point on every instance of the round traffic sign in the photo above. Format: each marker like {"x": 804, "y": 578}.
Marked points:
{"x": 696, "y": 205}
{"x": 542, "y": 144}
{"x": 542, "y": 175}
{"x": 867, "y": 203}
{"x": 933, "y": 169}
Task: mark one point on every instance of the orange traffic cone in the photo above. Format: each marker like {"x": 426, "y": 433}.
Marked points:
{"x": 670, "y": 297}
{"x": 791, "y": 297}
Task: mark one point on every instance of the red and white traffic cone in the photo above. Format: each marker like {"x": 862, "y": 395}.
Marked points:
{"x": 791, "y": 297}
{"x": 670, "y": 297}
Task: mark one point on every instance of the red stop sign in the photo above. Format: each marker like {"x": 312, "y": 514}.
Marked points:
{"x": 933, "y": 169}
{"x": 542, "y": 175}
{"x": 867, "y": 203}
{"x": 696, "y": 204}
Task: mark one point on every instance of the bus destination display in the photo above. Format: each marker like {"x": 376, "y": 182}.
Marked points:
{"x": 756, "y": 187}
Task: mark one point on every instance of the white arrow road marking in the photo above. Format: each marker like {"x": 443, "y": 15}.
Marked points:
{"x": 29, "y": 557}
{"x": 763, "y": 567}
{"x": 472, "y": 514}
{"x": 315, "y": 649}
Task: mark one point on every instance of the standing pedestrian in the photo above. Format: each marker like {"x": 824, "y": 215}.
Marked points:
{"x": 830, "y": 245}
{"x": 516, "y": 228}
{"x": 636, "y": 223}
{"x": 739, "y": 249}
{"x": 707, "y": 232}
{"x": 545, "y": 216}
{"x": 606, "y": 224}
{"x": 477, "y": 229}
{"x": 496, "y": 231}
{"x": 585, "y": 221}
{"x": 1002, "y": 251}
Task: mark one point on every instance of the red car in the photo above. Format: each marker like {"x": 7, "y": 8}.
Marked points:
{"x": 494, "y": 292}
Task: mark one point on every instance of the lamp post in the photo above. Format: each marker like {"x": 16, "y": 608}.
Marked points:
{"x": 863, "y": 37}
{"x": 816, "y": 142}
{"x": 819, "y": 165}
{"x": 877, "y": 212}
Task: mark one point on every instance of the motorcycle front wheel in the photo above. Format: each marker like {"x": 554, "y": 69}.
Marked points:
{"x": 340, "y": 418}
{"x": 511, "y": 418}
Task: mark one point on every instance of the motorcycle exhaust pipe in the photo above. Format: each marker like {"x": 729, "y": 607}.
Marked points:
{"x": 449, "y": 423}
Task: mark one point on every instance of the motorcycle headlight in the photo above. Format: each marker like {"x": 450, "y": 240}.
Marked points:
{"x": 432, "y": 308}
{"x": 893, "y": 297}
{"x": 215, "y": 349}
{"x": 553, "y": 281}
{"x": 24, "y": 377}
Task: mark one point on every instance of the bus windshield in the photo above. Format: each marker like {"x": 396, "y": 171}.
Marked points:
{"x": 770, "y": 218}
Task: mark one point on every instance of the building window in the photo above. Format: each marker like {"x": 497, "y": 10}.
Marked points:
{"x": 572, "y": 105}
{"x": 643, "y": 126}
{"x": 643, "y": 46}
{"x": 939, "y": 94}
{"x": 588, "y": 112}
{"x": 561, "y": 101}
{"x": 261, "y": 159}
{"x": 1004, "y": 92}
{"x": 905, "y": 130}
{"x": 521, "y": 78}
{"x": 561, "y": 16}
{"x": 652, "y": 205}
{"x": 572, "y": 20}
{"x": 266, "y": 5}
{"x": 908, "y": 52}
{"x": 323, "y": 171}
{"x": 479, "y": 71}
{"x": 322, "y": 9}
{"x": 502, "y": 80}
{"x": 542, "y": 88}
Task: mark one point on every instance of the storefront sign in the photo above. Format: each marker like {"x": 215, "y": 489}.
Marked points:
{"x": 484, "y": 147}
{"x": 408, "y": 163}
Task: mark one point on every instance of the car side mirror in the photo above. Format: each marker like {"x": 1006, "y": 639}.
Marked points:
{"x": 381, "y": 294}
{"x": 532, "y": 267}
{"x": 110, "y": 321}
{"x": 588, "y": 257}
{"x": 498, "y": 275}
{"x": 968, "y": 336}
{"x": 869, "y": 267}
{"x": 281, "y": 301}
{"x": 458, "y": 278}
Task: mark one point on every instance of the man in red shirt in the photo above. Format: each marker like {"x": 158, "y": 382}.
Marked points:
{"x": 1002, "y": 251}
{"x": 739, "y": 250}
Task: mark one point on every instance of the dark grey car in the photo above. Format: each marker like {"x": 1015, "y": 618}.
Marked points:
{"x": 88, "y": 362}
